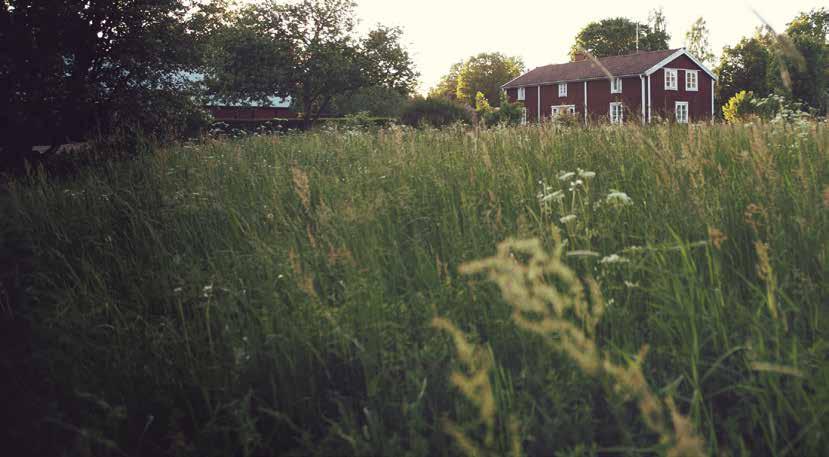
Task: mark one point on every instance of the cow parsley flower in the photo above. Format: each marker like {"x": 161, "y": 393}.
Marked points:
{"x": 564, "y": 176}
{"x": 618, "y": 198}
{"x": 568, "y": 218}
{"x": 586, "y": 174}
{"x": 613, "y": 258}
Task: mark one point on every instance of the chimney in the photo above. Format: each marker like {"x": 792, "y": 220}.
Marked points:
{"x": 579, "y": 56}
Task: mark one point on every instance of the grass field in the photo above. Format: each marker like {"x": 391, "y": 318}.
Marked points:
{"x": 317, "y": 294}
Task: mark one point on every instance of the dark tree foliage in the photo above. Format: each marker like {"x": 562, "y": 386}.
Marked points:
{"x": 743, "y": 67}
{"x": 70, "y": 69}
{"x": 617, "y": 36}
{"x": 307, "y": 50}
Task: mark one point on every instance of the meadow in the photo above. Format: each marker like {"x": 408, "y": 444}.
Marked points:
{"x": 533, "y": 290}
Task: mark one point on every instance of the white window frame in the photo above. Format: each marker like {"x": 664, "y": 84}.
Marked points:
{"x": 675, "y": 73}
{"x": 556, "y": 110}
{"x": 562, "y": 90}
{"x": 522, "y": 94}
{"x": 695, "y": 86}
{"x": 621, "y": 113}
{"x": 616, "y": 86}
{"x": 687, "y": 113}
{"x": 523, "y": 116}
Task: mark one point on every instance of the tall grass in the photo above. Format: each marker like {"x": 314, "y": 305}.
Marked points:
{"x": 276, "y": 294}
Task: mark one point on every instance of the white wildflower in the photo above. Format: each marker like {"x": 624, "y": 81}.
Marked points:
{"x": 613, "y": 258}
{"x": 587, "y": 174}
{"x": 568, "y": 218}
{"x": 566, "y": 175}
{"x": 631, "y": 285}
{"x": 207, "y": 291}
{"x": 177, "y": 290}
{"x": 618, "y": 198}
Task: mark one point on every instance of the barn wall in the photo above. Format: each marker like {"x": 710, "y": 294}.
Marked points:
{"x": 233, "y": 113}
{"x": 699, "y": 102}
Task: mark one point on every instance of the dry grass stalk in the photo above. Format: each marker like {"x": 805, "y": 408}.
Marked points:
{"x": 548, "y": 298}
{"x": 301, "y": 186}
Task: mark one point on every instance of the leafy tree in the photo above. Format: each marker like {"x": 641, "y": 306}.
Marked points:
{"x": 308, "y": 50}
{"x": 743, "y": 67}
{"x": 448, "y": 85}
{"x": 485, "y": 73}
{"x": 70, "y": 69}
{"x": 696, "y": 41}
{"x": 617, "y": 36}
{"x": 799, "y": 67}
{"x": 377, "y": 101}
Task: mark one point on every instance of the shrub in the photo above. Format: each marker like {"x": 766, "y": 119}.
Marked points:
{"x": 435, "y": 112}
{"x": 738, "y": 107}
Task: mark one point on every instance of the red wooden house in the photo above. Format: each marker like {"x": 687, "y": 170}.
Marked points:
{"x": 669, "y": 84}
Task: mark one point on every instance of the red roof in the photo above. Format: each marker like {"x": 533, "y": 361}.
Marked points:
{"x": 630, "y": 64}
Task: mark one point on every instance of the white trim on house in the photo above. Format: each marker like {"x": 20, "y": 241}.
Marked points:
{"x": 538, "y": 105}
{"x": 642, "y": 80}
{"x": 562, "y": 93}
{"x": 522, "y": 94}
{"x": 712, "y": 100}
{"x": 513, "y": 79}
{"x": 585, "y": 102}
{"x": 613, "y": 88}
{"x": 681, "y": 120}
{"x": 670, "y": 58}
{"x": 695, "y": 87}
{"x": 621, "y": 113}
{"x": 675, "y": 79}
{"x": 650, "y": 108}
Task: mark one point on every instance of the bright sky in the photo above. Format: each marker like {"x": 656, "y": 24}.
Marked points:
{"x": 439, "y": 33}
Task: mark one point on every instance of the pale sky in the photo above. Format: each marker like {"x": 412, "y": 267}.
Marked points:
{"x": 438, "y": 33}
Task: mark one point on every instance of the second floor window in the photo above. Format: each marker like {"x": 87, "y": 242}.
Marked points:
{"x": 616, "y": 86}
{"x": 522, "y": 93}
{"x": 691, "y": 80}
{"x": 670, "y": 79}
{"x": 562, "y": 90}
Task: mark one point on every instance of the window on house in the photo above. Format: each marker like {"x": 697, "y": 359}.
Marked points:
{"x": 691, "y": 80}
{"x": 522, "y": 94}
{"x": 523, "y": 116}
{"x": 670, "y": 79}
{"x": 555, "y": 111}
{"x": 681, "y": 110}
{"x": 616, "y": 86}
{"x": 562, "y": 90}
{"x": 616, "y": 113}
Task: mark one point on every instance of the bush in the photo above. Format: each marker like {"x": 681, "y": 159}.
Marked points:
{"x": 744, "y": 105}
{"x": 435, "y": 112}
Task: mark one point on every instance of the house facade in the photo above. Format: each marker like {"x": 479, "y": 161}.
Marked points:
{"x": 668, "y": 84}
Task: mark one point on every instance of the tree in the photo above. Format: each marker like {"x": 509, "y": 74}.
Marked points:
{"x": 743, "y": 67}
{"x": 70, "y": 69}
{"x": 448, "y": 85}
{"x": 799, "y": 67}
{"x": 696, "y": 41}
{"x": 307, "y": 50}
{"x": 617, "y": 36}
{"x": 485, "y": 73}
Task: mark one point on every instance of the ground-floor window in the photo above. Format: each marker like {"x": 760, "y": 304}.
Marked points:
{"x": 616, "y": 113}
{"x": 681, "y": 110}
{"x": 555, "y": 111}
{"x": 523, "y": 116}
